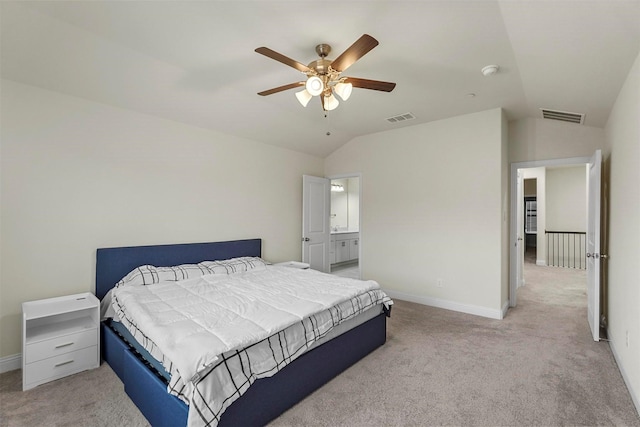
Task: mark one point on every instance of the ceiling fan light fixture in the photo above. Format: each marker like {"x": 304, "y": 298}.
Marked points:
{"x": 324, "y": 76}
{"x": 330, "y": 102}
{"x": 304, "y": 97}
{"x": 314, "y": 85}
{"x": 343, "y": 90}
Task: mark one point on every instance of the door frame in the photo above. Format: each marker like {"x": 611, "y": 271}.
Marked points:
{"x": 519, "y": 227}
{"x": 594, "y": 233}
{"x": 513, "y": 232}
{"x": 359, "y": 176}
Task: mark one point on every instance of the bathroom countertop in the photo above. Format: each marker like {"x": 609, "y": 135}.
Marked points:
{"x": 345, "y": 231}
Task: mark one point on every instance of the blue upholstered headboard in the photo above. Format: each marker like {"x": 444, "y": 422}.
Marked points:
{"x": 112, "y": 264}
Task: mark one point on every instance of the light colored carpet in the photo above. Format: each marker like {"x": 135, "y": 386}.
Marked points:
{"x": 537, "y": 367}
{"x": 93, "y": 398}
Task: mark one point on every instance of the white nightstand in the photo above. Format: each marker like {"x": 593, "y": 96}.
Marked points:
{"x": 294, "y": 264}
{"x": 60, "y": 337}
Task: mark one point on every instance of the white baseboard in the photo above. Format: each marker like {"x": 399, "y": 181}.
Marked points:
{"x": 632, "y": 392}
{"x": 505, "y": 308}
{"x": 10, "y": 363}
{"x": 541, "y": 262}
{"x": 449, "y": 305}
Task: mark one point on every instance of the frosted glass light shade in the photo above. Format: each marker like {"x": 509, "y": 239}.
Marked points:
{"x": 343, "y": 90}
{"x": 330, "y": 102}
{"x": 303, "y": 97}
{"x": 314, "y": 85}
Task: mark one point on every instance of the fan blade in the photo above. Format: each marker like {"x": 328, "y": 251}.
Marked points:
{"x": 281, "y": 88}
{"x": 356, "y": 51}
{"x": 371, "y": 84}
{"x": 281, "y": 58}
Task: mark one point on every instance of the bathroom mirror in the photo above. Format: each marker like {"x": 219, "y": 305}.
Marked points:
{"x": 345, "y": 204}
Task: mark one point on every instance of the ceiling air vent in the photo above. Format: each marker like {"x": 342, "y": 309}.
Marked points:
{"x": 563, "y": 116}
{"x": 401, "y": 118}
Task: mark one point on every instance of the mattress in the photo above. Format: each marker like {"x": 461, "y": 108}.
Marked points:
{"x": 157, "y": 367}
{"x": 211, "y": 382}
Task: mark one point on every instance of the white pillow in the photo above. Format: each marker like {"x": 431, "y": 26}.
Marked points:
{"x": 235, "y": 265}
{"x": 143, "y": 275}
{"x": 149, "y": 274}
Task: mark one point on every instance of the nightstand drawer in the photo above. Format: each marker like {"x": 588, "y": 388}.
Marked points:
{"x": 60, "y": 366}
{"x": 60, "y": 345}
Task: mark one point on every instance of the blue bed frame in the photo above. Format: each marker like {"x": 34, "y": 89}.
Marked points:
{"x": 267, "y": 398}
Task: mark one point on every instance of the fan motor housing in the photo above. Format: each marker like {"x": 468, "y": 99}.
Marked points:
{"x": 320, "y": 66}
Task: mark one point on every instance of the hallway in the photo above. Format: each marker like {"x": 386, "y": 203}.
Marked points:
{"x": 555, "y": 286}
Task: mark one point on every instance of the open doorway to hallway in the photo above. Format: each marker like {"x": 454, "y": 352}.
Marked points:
{"x": 530, "y": 193}
{"x": 553, "y": 225}
{"x": 592, "y": 255}
{"x": 554, "y": 222}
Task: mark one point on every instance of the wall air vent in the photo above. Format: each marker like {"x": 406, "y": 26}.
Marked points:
{"x": 563, "y": 116}
{"x": 401, "y": 118}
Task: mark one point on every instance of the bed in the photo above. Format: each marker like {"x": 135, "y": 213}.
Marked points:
{"x": 267, "y": 397}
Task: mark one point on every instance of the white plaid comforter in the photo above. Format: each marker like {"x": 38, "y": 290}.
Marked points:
{"x": 217, "y": 334}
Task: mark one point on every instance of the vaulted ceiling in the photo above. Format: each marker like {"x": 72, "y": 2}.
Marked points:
{"x": 194, "y": 61}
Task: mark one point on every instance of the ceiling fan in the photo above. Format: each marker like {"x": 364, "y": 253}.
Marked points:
{"x": 324, "y": 75}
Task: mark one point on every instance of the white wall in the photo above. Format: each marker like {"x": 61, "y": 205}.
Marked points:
{"x": 505, "y": 185}
{"x": 566, "y": 197}
{"x": 432, "y": 208}
{"x": 544, "y": 139}
{"x": 623, "y": 155}
{"x": 78, "y": 175}
{"x": 353, "y": 186}
{"x": 566, "y": 210}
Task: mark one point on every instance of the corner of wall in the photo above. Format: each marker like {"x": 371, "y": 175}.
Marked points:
{"x": 10, "y": 363}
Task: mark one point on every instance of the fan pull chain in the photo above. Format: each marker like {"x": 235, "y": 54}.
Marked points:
{"x": 326, "y": 116}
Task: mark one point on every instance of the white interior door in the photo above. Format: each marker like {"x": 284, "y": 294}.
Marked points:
{"x": 316, "y": 235}
{"x": 520, "y": 243}
{"x": 593, "y": 245}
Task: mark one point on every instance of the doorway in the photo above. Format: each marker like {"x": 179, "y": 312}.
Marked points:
{"x": 530, "y": 190}
{"x": 520, "y": 172}
{"x": 345, "y": 211}
{"x": 589, "y": 173}
{"x": 532, "y": 204}
{"x": 555, "y": 217}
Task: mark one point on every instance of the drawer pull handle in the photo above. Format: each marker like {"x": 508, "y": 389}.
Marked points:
{"x": 64, "y": 345}
{"x": 63, "y": 363}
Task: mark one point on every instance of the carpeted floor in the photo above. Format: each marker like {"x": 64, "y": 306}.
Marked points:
{"x": 89, "y": 399}
{"x": 536, "y": 367}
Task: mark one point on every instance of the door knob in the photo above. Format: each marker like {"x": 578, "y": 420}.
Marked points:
{"x": 305, "y": 239}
